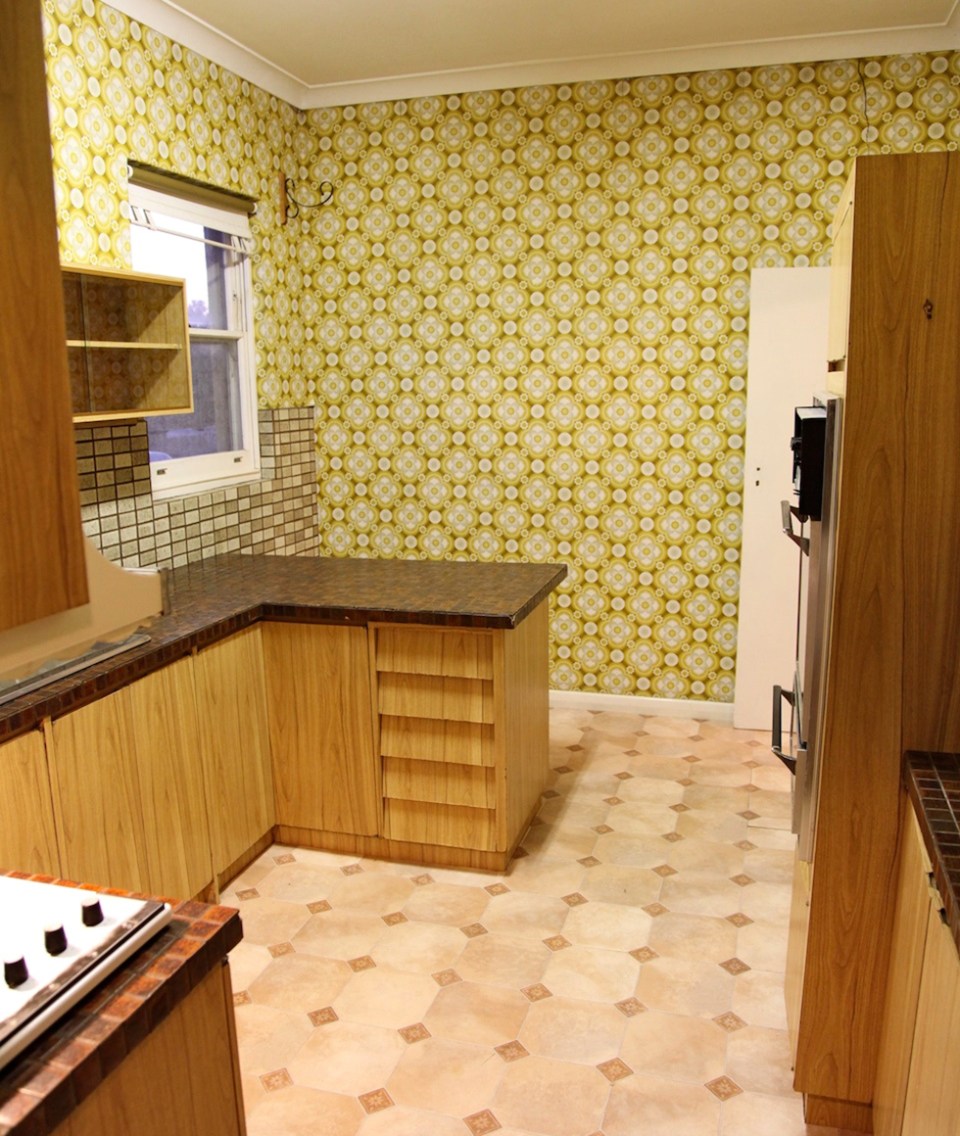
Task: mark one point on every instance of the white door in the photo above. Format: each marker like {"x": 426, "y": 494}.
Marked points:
{"x": 787, "y": 366}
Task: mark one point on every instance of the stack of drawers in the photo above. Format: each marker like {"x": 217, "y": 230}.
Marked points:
{"x": 436, "y": 706}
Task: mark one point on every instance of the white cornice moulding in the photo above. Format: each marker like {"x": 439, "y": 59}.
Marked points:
{"x": 167, "y": 18}
{"x": 719, "y": 712}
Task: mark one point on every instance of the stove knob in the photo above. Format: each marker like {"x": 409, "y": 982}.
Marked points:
{"x": 55, "y": 940}
{"x": 91, "y": 912}
{"x": 15, "y": 972}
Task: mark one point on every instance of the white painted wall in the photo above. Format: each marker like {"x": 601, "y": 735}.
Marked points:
{"x": 787, "y": 366}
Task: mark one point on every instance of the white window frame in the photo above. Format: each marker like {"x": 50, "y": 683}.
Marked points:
{"x": 177, "y": 477}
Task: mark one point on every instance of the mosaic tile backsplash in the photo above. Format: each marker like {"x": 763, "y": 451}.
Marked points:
{"x": 276, "y": 514}
{"x": 524, "y": 319}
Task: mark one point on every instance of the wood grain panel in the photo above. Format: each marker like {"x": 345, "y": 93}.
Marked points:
{"x": 28, "y": 840}
{"x": 414, "y": 650}
{"x": 170, "y": 768}
{"x": 401, "y": 851}
{"x": 891, "y": 643}
{"x": 199, "y": 1090}
{"x": 523, "y": 718}
{"x": 828, "y": 1113}
{"x": 796, "y": 947}
{"x": 933, "y": 1095}
{"x": 906, "y": 961}
{"x": 433, "y": 739}
{"x": 440, "y": 824}
{"x": 42, "y": 565}
{"x": 428, "y": 696}
{"x": 325, "y": 770}
{"x": 439, "y": 782}
{"x": 96, "y": 795}
{"x": 235, "y": 742}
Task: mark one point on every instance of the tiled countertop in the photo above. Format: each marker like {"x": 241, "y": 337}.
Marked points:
{"x": 51, "y": 1077}
{"x": 217, "y": 597}
{"x": 933, "y": 783}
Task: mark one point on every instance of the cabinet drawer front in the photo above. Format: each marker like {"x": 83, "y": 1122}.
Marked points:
{"x": 432, "y": 739}
{"x": 429, "y": 696}
{"x": 454, "y": 826}
{"x": 464, "y": 654}
{"x": 439, "y": 782}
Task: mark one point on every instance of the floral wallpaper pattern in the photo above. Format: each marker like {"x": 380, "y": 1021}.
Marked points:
{"x": 524, "y": 319}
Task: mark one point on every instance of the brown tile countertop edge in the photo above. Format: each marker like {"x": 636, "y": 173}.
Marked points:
{"x": 214, "y": 598}
{"x": 50, "y": 1078}
{"x": 933, "y": 783}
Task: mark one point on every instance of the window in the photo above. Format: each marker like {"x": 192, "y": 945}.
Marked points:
{"x": 208, "y": 246}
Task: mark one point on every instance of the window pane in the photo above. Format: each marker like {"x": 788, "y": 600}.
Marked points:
{"x": 204, "y": 267}
{"x": 215, "y": 424}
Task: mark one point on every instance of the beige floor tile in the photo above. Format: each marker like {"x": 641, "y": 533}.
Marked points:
{"x": 384, "y": 996}
{"x": 758, "y": 999}
{"x": 663, "y": 755}
{"x": 717, "y": 756}
{"x": 706, "y": 858}
{"x": 375, "y": 893}
{"x": 269, "y": 1038}
{"x": 756, "y": 1114}
{"x": 681, "y": 986}
{"x": 631, "y": 851}
{"x": 250, "y": 877}
{"x": 693, "y": 937}
{"x": 247, "y": 960}
{"x": 400, "y": 1121}
{"x": 763, "y": 946}
{"x": 299, "y": 882}
{"x": 695, "y": 894}
{"x": 774, "y": 777}
{"x": 712, "y": 824}
{"x": 548, "y": 877}
{"x": 268, "y": 921}
{"x": 480, "y": 1014}
{"x": 450, "y": 1077}
{"x": 674, "y": 1047}
{"x": 525, "y": 915}
{"x": 770, "y": 865}
{"x": 615, "y": 883}
{"x": 759, "y": 1060}
{"x": 643, "y": 790}
{"x": 559, "y": 842}
{"x": 609, "y": 925}
{"x": 300, "y": 982}
{"x": 571, "y": 1029}
{"x": 252, "y": 1090}
{"x": 593, "y": 973}
{"x": 626, "y": 725}
{"x": 571, "y": 814}
{"x": 421, "y": 948}
{"x": 503, "y": 961}
{"x": 666, "y": 727}
{"x": 781, "y": 839}
{"x": 767, "y": 902}
{"x": 633, "y": 819}
{"x": 769, "y": 803}
{"x": 343, "y": 934}
{"x": 642, "y": 1105}
{"x": 453, "y": 904}
{"x": 717, "y": 798}
{"x": 347, "y": 1057}
{"x": 298, "y": 1111}
{"x": 555, "y": 1098}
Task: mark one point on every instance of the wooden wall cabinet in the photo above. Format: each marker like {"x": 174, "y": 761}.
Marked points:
{"x": 42, "y": 565}
{"x": 28, "y": 841}
{"x": 889, "y": 682}
{"x": 128, "y": 788}
{"x": 235, "y": 746}
{"x": 128, "y": 347}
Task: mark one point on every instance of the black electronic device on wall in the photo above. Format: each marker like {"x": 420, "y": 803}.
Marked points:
{"x": 807, "y": 443}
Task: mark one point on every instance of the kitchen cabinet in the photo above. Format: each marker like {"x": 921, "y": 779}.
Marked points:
{"x": 28, "y": 841}
{"x": 128, "y": 349}
{"x": 42, "y": 565}
{"x": 918, "y": 1092}
{"x": 235, "y": 746}
{"x": 183, "y": 1077}
{"x": 888, "y": 682}
{"x": 321, "y": 727}
{"x": 128, "y": 788}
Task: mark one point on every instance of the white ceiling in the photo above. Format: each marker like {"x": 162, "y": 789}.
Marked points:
{"x": 332, "y": 52}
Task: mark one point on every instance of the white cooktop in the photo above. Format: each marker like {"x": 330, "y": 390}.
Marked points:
{"x": 56, "y": 944}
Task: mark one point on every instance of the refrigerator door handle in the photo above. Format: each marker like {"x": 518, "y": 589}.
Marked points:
{"x": 787, "y": 513}
{"x": 776, "y": 740}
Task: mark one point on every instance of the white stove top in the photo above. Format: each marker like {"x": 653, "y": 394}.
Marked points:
{"x": 56, "y": 944}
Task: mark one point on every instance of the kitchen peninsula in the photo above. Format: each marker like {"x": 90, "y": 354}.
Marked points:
{"x": 388, "y": 708}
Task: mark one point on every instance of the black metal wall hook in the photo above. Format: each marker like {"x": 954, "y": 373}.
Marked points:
{"x": 290, "y": 205}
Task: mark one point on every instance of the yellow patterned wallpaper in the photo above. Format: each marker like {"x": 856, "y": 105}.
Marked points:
{"x": 524, "y": 320}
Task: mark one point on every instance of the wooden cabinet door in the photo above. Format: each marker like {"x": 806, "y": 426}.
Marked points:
{"x": 28, "y": 841}
{"x": 173, "y": 801}
{"x": 933, "y": 1092}
{"x": 96, "y": 795}
{"x": 42, "y": 565}
{"x": 235, "y": 742}
{"x": 321, "y": 727}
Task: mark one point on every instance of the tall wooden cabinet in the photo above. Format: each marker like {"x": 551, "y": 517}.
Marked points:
{"x": 890, "y": 670}
{"x": 42, "y": 566}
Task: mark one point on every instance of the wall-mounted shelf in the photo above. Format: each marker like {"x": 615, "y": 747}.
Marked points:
{"x": 128, "y": 345}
